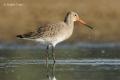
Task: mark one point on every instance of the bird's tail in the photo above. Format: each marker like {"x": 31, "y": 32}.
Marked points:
{"x": 20, "y": 36}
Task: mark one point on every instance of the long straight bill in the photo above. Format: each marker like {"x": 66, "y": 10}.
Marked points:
{"x": 84, "y": 23}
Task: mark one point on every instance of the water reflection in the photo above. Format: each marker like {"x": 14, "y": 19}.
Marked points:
{"x": 62, "y": 70}
{"x": 72, "y": 64}
{"x": 51, "y": 71}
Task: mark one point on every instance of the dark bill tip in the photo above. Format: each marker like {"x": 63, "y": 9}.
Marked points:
{"x": 89, "y": 26}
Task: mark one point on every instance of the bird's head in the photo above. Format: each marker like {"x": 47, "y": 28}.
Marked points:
{"x": 75, "y": 17}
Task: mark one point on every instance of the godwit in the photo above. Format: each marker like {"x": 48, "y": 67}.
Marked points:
{"x": 52, "y": 34}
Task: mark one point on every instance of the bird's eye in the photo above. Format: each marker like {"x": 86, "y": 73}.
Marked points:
{"x": 75, "y": 15}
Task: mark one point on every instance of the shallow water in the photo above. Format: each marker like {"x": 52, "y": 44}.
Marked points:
{"x": 71, "y": 64}
{"x": 62, "y": 70}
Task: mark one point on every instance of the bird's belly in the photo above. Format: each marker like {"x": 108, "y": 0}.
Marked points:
{"x": 49, "y": 40}
{"x": 41, "y": 40}
{"x": 61, "y": 38}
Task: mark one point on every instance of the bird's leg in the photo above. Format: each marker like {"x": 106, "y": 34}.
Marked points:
{"x": 47, "y": 54}
{"x": 53, "y": 54}
{"x": 53, "y": 69}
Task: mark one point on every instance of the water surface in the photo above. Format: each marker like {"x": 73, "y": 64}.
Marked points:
{"x": 79, "y": 63}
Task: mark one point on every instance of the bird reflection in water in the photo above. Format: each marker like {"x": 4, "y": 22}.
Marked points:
{"x": 50, "y": 70}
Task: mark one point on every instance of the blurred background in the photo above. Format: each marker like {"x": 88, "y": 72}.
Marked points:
{"x": 21, "y": 16}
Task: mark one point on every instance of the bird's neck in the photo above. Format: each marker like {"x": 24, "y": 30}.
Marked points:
{"x": 68, "y": 20}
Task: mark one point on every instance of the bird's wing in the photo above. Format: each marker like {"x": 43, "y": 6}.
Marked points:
{"x": 26, "y": 35}
{"x": 47, "y": 30}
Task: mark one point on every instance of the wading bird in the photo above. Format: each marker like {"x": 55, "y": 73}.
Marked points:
{"x": 52, "y": 34}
